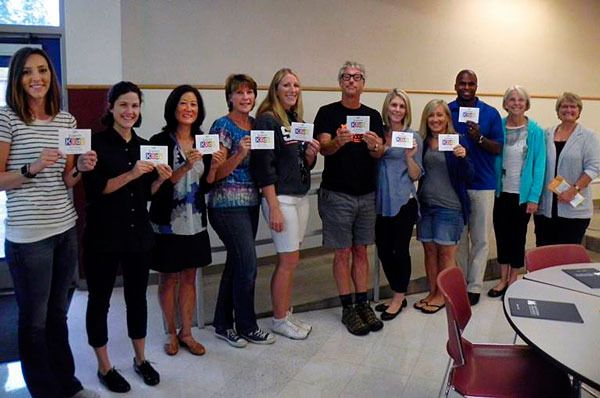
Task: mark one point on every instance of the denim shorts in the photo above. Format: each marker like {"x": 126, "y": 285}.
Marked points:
{"x": 440, "y": 225}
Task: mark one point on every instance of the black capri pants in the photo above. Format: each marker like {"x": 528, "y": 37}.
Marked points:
{"x": 392, "y": 237}
{"x": 510, "y": 227}
{"x": 101, "y": 272}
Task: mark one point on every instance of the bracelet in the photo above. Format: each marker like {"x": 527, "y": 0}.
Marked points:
{"x": 577, "y": 188}
{"x": 480, "y": 141}
{"x": 25, "y": 171}
{"x": 77, "y": 171}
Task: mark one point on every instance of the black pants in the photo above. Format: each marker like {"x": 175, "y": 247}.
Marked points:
{"x": 392, "y": 237}
{"x": 559, "y": 230}
{"x": 101, "y": 271}
{"x": 510, "y": 227}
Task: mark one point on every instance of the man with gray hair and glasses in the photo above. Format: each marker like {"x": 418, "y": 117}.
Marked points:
{"x": 351, "y": 138}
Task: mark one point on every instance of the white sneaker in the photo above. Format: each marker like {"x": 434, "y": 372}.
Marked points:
{"x": 289, "y": 329}
{"x": 299, "y": 322}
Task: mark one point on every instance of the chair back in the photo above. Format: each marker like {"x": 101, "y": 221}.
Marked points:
{"x": 553, "y": 255}
{"x": 451, "y": 283}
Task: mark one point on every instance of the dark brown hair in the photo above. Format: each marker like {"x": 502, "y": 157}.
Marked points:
{"x": 16, "y": 97}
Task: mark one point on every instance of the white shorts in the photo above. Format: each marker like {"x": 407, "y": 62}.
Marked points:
{"x": 295, "y": 219}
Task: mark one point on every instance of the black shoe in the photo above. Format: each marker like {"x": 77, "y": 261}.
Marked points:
{"x": 353, "y": 322}
{"x": 496, "y": 293}
{"x": 366, "y": 313}
{"x": 383, "y": 307}
{"x": 388, "y": 316}
{"x": 114, "y": 381}
{"x": 150, "y": 376}
{"x": 473, "y": 298}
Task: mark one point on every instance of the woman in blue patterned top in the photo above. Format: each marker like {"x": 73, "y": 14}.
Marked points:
{"x": 233, "y": 207}
{"x": 178, "y": 215}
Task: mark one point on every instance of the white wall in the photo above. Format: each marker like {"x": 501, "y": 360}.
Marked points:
{"x": 93, "y": 41}
{"x": 547, "y": 45}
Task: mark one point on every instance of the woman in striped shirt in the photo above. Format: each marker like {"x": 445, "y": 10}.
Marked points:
{"x": 41, "y": 240}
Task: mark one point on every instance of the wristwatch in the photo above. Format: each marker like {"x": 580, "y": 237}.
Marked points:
{"x": 25, "y": 171}
{"x": 577, "y": 188}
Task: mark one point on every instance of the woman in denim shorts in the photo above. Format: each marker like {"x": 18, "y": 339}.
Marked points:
{"x": 443, "y": 198}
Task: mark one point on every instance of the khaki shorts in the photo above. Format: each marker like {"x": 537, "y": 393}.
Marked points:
{"x": 348, "y": 220}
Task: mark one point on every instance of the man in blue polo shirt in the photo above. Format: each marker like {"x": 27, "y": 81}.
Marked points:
{"x": 484, "y": 143}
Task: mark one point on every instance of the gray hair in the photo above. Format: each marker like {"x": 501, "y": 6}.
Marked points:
{"x": 352, "y": 64}
{"x": 521, "y": 91}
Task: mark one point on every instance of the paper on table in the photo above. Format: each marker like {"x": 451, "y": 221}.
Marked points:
{"x": 588, "y": 276}
{"x": 302, "y": 131}
{"x": 467, "y": 114}
{"x": 262, "y": 139}
{"x": 447, "y": 142}
{"x": 402, "y": 139}
{"x": 207, "y": 143}
{"x": 74, "y": 141}
{"x": 540, "y": 309}
{"x": 155, "y": 154}
{"x": 358, "y": 124}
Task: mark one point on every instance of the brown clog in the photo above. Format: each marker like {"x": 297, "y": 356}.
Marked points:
{"x": 192, "y": 345}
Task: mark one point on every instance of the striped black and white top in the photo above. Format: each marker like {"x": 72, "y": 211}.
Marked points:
{"x": 41, "y": 207}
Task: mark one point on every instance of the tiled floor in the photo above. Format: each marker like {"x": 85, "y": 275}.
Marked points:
{"x": 406, "y": 359}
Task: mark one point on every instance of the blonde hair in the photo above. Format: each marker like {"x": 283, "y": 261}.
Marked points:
{"x": 272, "y": 103}
{"x": 569, "y": 97}
{"x": 428, "y": 111}
{"x": 396, "y": 92}
{"x": 521, "y": 91}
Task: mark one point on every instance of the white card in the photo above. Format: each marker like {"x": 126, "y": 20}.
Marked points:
{"x": 447, "y": 142}
{"x": 466, "y": 114}
{"x": 402, "y": 139}
{"x": 207, "y": 143}
{"x": 262, "y": 139}
{"x": 302, "y": 131}
{"x": 577, "y": 200}
{"x": 155, "y": 154}
{"x": 358, "y": 124}
{"x": 74, "y": 141}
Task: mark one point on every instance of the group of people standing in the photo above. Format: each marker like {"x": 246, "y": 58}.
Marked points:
{"x": 368, "y": 195}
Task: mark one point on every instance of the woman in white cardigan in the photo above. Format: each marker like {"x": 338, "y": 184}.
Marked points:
{"x": 573, "y": 152}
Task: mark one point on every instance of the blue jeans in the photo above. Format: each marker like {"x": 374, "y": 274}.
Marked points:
{"x": 42, "y": 273}
{"x": 237, "y": 228}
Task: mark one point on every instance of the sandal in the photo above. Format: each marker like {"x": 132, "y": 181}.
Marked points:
{"x": 435, "y": 309}
{"x": 192, "y": 345}
{"x": 420, "y": 304}
{"x": 171, "y": 346}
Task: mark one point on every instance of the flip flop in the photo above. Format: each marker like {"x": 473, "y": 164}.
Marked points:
{"x": 437, "y": 308}
{"x": 422, "y": 303}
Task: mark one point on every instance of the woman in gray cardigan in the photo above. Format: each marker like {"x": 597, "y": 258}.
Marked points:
{"x": 573, "y": 152}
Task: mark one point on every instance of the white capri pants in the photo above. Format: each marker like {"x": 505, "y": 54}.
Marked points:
{"x": 295, "y": 211}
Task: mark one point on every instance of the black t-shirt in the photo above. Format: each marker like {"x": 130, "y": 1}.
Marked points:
{"x": 351, "y": 169}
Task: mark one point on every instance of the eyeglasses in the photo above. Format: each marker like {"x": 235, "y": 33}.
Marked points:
{"x": 356, "y": 77}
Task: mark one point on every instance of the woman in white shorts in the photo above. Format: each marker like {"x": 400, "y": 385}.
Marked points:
{"x": 283, "y": 174}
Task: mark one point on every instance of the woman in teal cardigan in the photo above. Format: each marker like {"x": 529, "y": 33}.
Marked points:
{"x": 520, "y": 170}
